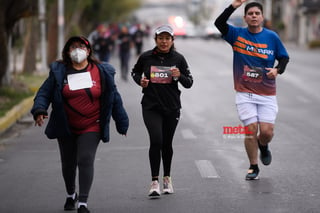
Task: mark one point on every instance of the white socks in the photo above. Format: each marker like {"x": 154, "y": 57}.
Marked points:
{"x": 82, "y": 204}
{"x": 73, "y": 196}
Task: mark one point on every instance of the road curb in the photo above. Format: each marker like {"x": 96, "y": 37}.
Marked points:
{"x": 15, "y": 114}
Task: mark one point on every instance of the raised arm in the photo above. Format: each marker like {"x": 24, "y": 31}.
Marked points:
{"x": 237, "y": 3}
{"x": 221, "y": 21}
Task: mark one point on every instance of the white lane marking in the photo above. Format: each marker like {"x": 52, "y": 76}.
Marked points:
{"x": 188, "y": 134}
{"x": 206, "y": 169}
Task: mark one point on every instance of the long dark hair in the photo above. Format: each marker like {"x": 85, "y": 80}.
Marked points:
{"x": 65, "y": 52}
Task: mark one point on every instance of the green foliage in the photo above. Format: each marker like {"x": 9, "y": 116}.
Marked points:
{"x": 75, "y": 6}
{"x": 76, "y": 30}
{"x": 109, "y": 10}
{"x": 23, "y": 86}
{"x": 118, "y": 10}
{"x": 94, "y": 12}
{"x": 31, "y": 81}
{"x": 10, "y": 97}
{"x": 280, "y": 26}
{"x": 314, "y": 44}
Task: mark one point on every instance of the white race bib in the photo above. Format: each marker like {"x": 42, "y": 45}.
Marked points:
{"x": 79, "y": 81}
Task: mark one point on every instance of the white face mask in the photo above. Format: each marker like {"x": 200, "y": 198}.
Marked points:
{"x": 78, "y": 55}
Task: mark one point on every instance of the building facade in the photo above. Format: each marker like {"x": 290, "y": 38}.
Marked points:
{"x": 296, "y": 21}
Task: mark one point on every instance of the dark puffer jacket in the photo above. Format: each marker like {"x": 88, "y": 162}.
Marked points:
{"x": 51, "y": 93}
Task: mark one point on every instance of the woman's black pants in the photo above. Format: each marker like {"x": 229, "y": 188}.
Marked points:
{"x": 161, "y": 127}
{"x": 79, "y": 152}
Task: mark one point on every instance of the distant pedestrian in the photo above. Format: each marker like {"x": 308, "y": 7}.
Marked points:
{"x": 125, "y": 44}
{"x": 138, "y": 39}
{"x": 255, "y": 51}
{"x": 83, "y": 96}
{"x": 92, "y": 38}
{"x": 158, "y": 72}
{"x": 267, "y": 24}
{"x": 104, "y": 44}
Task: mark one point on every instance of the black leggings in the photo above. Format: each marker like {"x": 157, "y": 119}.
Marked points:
{"x": 161, "y": 128}
{"x": 79, "y": 151}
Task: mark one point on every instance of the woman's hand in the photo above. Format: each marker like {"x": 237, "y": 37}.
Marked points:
{"x": 40, "y": 120}
{"x": 144, "y": 82}
{"x": 175, "y": 72}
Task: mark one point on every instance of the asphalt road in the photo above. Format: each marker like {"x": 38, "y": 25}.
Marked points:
{"x": 208, "y": 167}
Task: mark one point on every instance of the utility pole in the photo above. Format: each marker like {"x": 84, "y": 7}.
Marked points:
{"x": 42, "y": 20}
{"x": 60, "y": 27}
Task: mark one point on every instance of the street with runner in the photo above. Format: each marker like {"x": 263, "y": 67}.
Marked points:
{"x": 209, "y": 164}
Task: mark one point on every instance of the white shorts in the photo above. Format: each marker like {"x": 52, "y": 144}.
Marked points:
{"x": 254, "y": 108}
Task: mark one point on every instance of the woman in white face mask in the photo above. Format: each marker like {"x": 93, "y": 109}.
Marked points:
{"x": 78, "y": 53}
{"x": 83, "y": 97}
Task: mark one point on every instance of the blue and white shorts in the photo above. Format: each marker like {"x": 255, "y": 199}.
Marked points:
{"x": 254, "y": 108}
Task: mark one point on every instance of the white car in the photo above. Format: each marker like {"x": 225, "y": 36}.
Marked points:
{"x": 211, "y": 31}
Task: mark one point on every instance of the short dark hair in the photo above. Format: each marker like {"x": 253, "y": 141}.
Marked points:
{"x": 253, "y": 4}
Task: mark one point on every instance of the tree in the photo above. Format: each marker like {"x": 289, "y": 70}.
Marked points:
{"x": 10, "y": 12}
{"x": 31, "y": 45}
{"x": 81, "y": 17}
{"x": 110, "y": 10}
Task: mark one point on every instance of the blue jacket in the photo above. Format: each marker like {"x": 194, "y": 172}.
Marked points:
{"x": 51, "y": 93}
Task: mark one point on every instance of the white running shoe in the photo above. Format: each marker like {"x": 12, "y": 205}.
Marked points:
{"x": 167, "y": 185}
{"x": 154, "y": 189}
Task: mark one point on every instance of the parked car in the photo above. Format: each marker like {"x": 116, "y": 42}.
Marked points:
{"x": 192, "y": 31}
{"x": 210, "y": 31}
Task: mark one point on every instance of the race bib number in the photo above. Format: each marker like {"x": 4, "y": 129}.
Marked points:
{"x": 160, "y": 75}
{"x": 79, "y": 81}
{"x": 253, "y": 74}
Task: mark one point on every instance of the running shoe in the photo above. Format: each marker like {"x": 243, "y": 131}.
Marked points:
{"x": 83, "y": 209}
{"x": 265, "y": 154}
{"x": 70, "y": 203}
{"x": 154, "y": 189}
{"x": 167, "y": 185}
{"x": 252, "y": 174}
